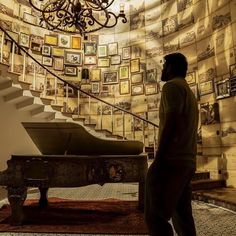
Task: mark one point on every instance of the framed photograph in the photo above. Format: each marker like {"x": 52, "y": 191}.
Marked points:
{"x": 110, "y": 77}
{"x": 124, "y": 72}
{"x": 58, "y": 63}
{"x": 134, "y": 65}
{"x": 103, "y": 62}
{"x": 58, "y": 52}
{"x": 232, "y": 82}
{"x": 191, "y": 78}
{"x": 151, "y": 76}
{"x": 222, "y": 89}
{"x": 102, "y": 51}
{"x": 95, "y": 88}
{"x": 90, "y": 60}
{"x": 64, "y": 40}
{"x": 206, "y": 88}
{"x": 232, "y": 70}
{"x": 36, "y": 43}
{"x": 126, "y": 53}
{"x": 137, "y": 78}
{"x": 96, "y": 75}
{"x": 24, "y": 40}
{"x": 94, "y": 38}
{"x": 194, "y": 88}
{"x": 46, "y": 50}
{"x": 71, "y": 70}
{"x": 14, "y": 35}
{"x": 90, "y": 48}
{"x": 76, "y": 42}
{"x": 47, "y": 61}
{"x": 124, "y": 87}
{"x": 51, "y": 39}
{"x": 73, "y": 58}
{"x": 29, "y": 18}
{"x": 116, "y": 60}
{"x": 112, "y": 49}
{"x": 151, "y": 89}
{"x": 137, "y": 89}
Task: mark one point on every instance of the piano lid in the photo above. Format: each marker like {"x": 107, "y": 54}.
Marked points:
{"x": 57, "y": 138}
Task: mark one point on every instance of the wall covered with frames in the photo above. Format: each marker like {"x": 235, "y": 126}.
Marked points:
{"x": 124, "y": 65}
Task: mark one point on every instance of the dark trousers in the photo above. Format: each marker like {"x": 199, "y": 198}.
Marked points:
{"x": 168, "y": 195}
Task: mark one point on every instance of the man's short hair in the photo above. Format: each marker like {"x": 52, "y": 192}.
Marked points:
{"x": 178, "y": 62}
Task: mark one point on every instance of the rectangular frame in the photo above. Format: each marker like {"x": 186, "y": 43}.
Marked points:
{"x": 29, "y": 18}
{"x": 151, "y": 89}
{"x": 115, "y": 60}
{"x": 76, "y": 42}
{"x": 58, "y": 64}
{"x": 137, "y": 78}
{"x": 103, "y": 62}
{"x": 73, "y": 58}
{"x": 124, "y": 87}
{"x": 124, "y": 72}
{"x": 90, "y": 49}
{"x": 58, "y": 52}
{"x": 126, "y": 53}
{"x": 96, "y": 75}
{"x": 102, "y": 50}
{"x": 135, "y": 65}
{"x": 206, "y": 88}
{"x": 47, "y": 61}
{"x": 51, "y": 39}
{"x": 71, "y": 70}
{"x": 137, "y": 89}
{"x": 46, "y": 50}
{"x": 222, "y": 89}
{"x": 90, "y": 60}
{"x": 24, "y": 40}
{"x": 232, "y": 70}
{"x": 151, "y": 76}
{"x": 191, "y": 78}
{"x": 95, "y": 87}
{"x": 110, "y": 77}
{"x": 112, "y": 49}
{"x": 64, "y": 41}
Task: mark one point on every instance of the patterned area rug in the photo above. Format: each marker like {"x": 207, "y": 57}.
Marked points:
{"x": 66, "y": 216}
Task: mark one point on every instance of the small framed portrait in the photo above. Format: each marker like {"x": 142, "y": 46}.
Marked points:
{"x": 151, "y": 76}
{"x": 71, "y": 70}
{"x": 124, "y": 72}
{"x": 47, "y": 61}
{"x": 46, "y": 50}
{"x": 194, "y": 89}
{"x": 222, "y": 89}
{"x": 24, "y": 40}
{"x": 76, "y": 42}
{"x": 94, "y": 38}
{"x": 51, "y": 39}
{"x": 191, "y": 78}
{"x": 110, "y": 77}
{"x": 36, "y": 43}
{"x": 58, "y": 64}
{"x": 137, "y": 89}
{"x": 90, "y": 60}
{"x": 29, "y": 18}
{"x": 112, "y": 49}
{"x": 73, "y": 58}
{"x": 102, "y": 51}
{"x": 232, "y": 82}
{"x": 90, "y": 48}
{"x": 116, "y": 60}
{"x": 137, "y": 78}
{"x": 151, "y": 88}
{"x": 206, "y": 88}
{"x": 232, "y": 70}
{"x": 124, "y": 87}
{"x": 95, "y": 87}
{"x": 96, "y": 75}
{"x": 64, "y": 41}
{"x": 126, "y": 53}
{"x": 134, "y": 65}
{"x": 103, "y": 62}
{"x": 58, "y": 52}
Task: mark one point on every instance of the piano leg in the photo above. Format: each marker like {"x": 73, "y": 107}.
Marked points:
{"x": 16, "y": 198}
{"x": 43, "y": 201}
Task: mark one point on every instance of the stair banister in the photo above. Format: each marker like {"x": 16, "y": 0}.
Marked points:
{"x": 2, "y": 45}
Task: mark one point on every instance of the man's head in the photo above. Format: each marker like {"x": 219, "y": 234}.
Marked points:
{"x": 175, "y": 65}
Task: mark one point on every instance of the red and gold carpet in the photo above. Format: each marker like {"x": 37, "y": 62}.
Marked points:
{"x": 65, "y": 216}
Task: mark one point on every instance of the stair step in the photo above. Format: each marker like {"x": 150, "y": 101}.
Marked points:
{"x": 201, "y": 175}
{"x": 56, "y": 107}
{"x": 207, "y": 184}
{"x": 25, "y": 85}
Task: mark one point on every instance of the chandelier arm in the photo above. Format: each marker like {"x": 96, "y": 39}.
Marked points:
{"x": 98, "y": 4}
{"x": 58, "y": 5}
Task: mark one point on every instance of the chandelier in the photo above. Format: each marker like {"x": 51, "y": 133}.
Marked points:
{"x": 77, "y": 16}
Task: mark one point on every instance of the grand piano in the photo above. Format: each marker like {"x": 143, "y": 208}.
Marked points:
{"x": 71, "y": 157}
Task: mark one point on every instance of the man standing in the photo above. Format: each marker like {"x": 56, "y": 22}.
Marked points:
{"x": 168, "y": 183}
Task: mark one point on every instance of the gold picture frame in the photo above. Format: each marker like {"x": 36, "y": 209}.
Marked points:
{"x": 51, "y": 39}
{"x": 58, "y": 52}
{"x": 124, "y": 87}
{"x": 76, "y": 42}
{"x": 135, "y": 65}
{"x": 124, "y": 72}
{"x": 96, "y": 75}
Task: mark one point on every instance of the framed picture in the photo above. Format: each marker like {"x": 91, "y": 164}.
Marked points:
{"x": 36, "y": 43}
{"x": 232, "y": 82}
{"x": 51, "y": 39}
{"x": 102, "y": 51}
{"x": 95, "y": 74}
{"x": 73, "y": 58}
{"x": 110, "y": 77}
{"x": 112, "y": 49}
{"x": 95, "y": 87}
{"x": 24, "y": 40}
{"x": 46, "y": 50}
{"x": 90, "y": 48}
{"x": 29, "y": 18}
{"x": 194, "y": 88}
{"x": 76, "y": 42}
{"x": 15, "y": 36}
{"x": 116, "y": 60}
{"x": 126, "y": 53}
{"x": 58, "y": 63}
{"x": 206, "y": 88}
{"x": 103, "y": 62}
{"x": 191, "y": 78}
{"x": 222, "y": 89}
{"x": 124, "y": 72}
{"x": 151, "y": 76}
{"x": 71, "y": 70}
{"x": 64, "y": 40}
{"x": 232, "y": 69}
{"x": 94, "y": 38}
{"x": 134, "y": 65}
{"x": 58, "y": 52}
{"x": 151, "y": 89}
{"x": 90, "y": 60}
{"x": 137, "y": 78}
{"x": 137, "y": 89}
{"x": 47, "y": 61}
{"x": 124, "y": 87}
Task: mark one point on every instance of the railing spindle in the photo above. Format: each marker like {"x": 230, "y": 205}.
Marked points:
{"x": 34, "y": 79}
{"x": 123, "y": 118}
{"x": 78, "y": 102}
{"x": 2, "y": 45}
{"x": 67, "y": 96}
{"x": 112, "y": 120}
{"x": 13, "y": 56}
{"x": 24, "y": 67}
{"x": 101, "y": 115}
